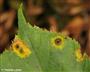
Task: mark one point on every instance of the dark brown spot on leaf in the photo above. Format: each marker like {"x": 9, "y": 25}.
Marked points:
{"x": 58, "y": 41}
{"x": 21, "y": 50}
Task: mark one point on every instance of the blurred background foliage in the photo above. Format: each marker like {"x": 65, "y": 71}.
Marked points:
{"x": 71, "y": 17}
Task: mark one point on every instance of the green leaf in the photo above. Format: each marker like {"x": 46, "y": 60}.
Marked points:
{"x": 47, "y": 54}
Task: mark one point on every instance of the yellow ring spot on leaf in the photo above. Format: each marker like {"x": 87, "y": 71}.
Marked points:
{"x": 79, "y": 56}
{"x": 58, "y": 42}
{"x": 20, "y": 48}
